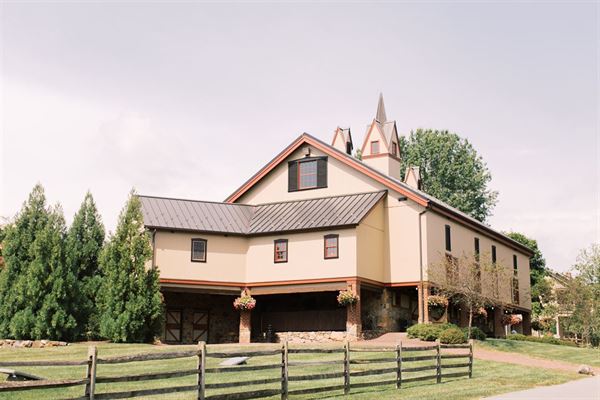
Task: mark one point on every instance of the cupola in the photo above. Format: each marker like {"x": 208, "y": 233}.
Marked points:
{"x": 381, "y": 149}
{"x": 342, "y": 140}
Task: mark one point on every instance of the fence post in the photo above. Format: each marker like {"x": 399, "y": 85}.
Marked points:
{"x": 201, "y": 370}
{"x": 399, "y": 365}
{"x": 284, "y": 371}
{"x": 470, "y": 358}
{"x": 90, "y": 373}
{"x": 438, "y": 364}
{"x": 346, "y": 367}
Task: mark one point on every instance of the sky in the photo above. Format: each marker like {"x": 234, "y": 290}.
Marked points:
{"x": 189, "y": 99}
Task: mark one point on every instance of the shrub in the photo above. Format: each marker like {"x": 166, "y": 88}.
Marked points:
{"x": 543, "y": 339}
{"x": 476, "y": 333}
{"x": 428, "y": 332}
{"x": 453, "y": 336}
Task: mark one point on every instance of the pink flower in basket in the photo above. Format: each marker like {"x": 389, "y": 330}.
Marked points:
{"x": 244, "y": 302}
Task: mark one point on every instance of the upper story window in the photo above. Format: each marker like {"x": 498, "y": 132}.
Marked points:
{"x": 198, "y": 250}
{"x": 281, "y": 250}
{"x": 375, "y": 147}
{"x": 494, "y": 258}
{"x": 476, "y": 248}
{"x": 331, "y": 246}
{"x": 515, "y": 263}
{"x": 394, "y": 149}
{"x": 307, "y": 173}
{"x": 448, "y": 238}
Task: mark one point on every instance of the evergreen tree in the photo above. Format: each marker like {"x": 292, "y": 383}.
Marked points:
{"x": 83, "y": 246}
{"x": 451, "y": 170}
{"x": 131, "y": 303}
{"x": 36, "y": 285}
{"x": 18, "y": 255}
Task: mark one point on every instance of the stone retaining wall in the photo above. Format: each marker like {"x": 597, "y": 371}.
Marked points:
{"x": 31, "y": 343}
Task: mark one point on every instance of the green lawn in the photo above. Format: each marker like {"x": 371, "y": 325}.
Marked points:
{"x": 575, "y": 355}
{"x": 488, "y": 377}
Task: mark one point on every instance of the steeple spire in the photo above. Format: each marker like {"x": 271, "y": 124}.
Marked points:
{"x": 380, "y": 116}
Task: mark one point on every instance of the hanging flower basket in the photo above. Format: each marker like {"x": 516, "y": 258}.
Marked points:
{"x": 482, "y": 312}
{"x": 244, "y": 302}
{"x": 511, "y": 319}
{"x": 437, "y": 301}
{"x": 347, "y": 297}
{"x": 437, "y": 306}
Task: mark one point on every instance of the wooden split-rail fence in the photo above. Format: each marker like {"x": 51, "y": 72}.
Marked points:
{"x": 429, "y": 360}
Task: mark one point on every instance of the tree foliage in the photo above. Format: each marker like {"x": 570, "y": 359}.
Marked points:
{"x": 581, "y": 297}
{"x": 131, "y": 303}
{"x": 451, "y": 170}
{"x": 84, "y": 242}
{"x": 473, "y": 282}
{"x": 35, "y": 284}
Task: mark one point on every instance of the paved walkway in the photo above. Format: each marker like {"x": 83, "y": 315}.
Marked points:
{"x": 484, "y": 354}
{"x": 582, "y": 389}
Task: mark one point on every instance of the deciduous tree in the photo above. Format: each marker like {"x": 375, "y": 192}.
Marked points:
{"x": 451, "y": 170}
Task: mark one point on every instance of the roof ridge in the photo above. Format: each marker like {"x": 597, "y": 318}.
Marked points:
{"x": 195, "y": 201}
{"x": 319, "y": 198}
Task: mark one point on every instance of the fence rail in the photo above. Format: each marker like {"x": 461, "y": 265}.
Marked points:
{"x": 355, "y": 363}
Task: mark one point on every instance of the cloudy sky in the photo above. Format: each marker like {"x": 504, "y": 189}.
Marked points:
{"x": 189, "y": 99}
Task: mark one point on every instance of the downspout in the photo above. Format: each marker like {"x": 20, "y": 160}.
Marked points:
{"x": 153, "y": 248}
{"x": 421, "y": 288}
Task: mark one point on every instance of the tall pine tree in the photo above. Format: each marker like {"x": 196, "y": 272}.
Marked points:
{"x": 131, "y": 303}
{"x": 83, "y": 246}
{"x": 36, "y": 285}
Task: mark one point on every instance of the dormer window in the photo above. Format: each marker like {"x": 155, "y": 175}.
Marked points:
{"x": 375, "y": 147}
{"x": 307, "y": 173}
{"x": 394, "y": 149}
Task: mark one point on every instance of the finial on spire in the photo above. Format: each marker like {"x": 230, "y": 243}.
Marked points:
{"x": 380, "y": 116}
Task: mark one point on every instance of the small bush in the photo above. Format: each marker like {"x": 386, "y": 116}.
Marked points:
{"x": 543, "y": 339}
{"x": 476, "y": 333}
{"x": 428, "y": 332}
{"x": 453, "y": 336}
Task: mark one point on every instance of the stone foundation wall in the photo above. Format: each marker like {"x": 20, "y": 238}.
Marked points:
{"x": 312, "y": 337}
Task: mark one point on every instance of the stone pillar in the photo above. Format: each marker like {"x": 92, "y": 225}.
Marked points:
{"x": 353, "y": 320}
{"x": 526, "y": 323}
{"x": 387, "y": 319}
{"x": 498, "y": 327}
{"x": 245, "y": 319}
{"x": 422, "y": 298}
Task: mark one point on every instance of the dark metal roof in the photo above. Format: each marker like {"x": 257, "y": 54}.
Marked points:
{"x": 298, "y": 215}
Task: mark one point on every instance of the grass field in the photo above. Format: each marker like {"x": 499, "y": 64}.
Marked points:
{"x": 488, "y": 377}
{"x": 575, "y": 355}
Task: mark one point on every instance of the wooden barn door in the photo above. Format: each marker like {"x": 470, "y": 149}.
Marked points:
{"x": 200, "y": 326}
{"x": 173, "y": 325}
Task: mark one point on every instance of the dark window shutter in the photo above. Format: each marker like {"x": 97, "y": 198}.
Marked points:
{"x": 448, "y": 239}
{"x": 322, "y": 172}
{"x": 292, "y": 176}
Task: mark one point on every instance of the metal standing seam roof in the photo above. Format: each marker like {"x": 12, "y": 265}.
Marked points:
{"x": 243, "y": 219}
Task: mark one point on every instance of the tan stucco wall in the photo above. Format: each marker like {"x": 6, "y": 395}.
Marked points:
{"x": 463, "y": 245}
{"x": 238, "y": 259}
{"x": 305, "y": 257}
{"x": 371, "y": 246}
{"x": 225, "y": 261}
{"x": 340, "y": 180}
